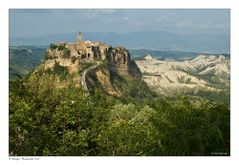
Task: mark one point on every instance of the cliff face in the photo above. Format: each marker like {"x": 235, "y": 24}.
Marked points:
{"x": 108, "y": 87}
{"x": 91, "y": 65}
{"x": 120, "y": 62}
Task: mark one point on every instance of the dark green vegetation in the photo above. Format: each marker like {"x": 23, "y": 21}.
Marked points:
{"x": 58, "y": 70}
{"x": 50, "y": 121}
{"x": 23, "y": 59}
{"x": 61, "y": 47}
{"x": 222, "y": 97}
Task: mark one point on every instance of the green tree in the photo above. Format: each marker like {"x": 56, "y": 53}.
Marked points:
{"x": 129, "y": 131}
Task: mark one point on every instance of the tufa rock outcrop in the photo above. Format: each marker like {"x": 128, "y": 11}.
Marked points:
{"x": 70, "y": 55}
{"x": 120, "y": 62}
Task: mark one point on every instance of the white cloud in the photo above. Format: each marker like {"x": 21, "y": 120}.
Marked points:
{"x": 126, "y": 18}
{"x": 184, "y": 24}
{"x": 105, "y": 11}
{"x": 162, "y": 19}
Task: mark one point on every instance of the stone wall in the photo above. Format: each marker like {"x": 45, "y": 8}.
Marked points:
{"x": 71, "y": 46}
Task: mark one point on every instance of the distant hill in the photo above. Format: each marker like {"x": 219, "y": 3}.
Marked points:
{"x": 23, "y": 59}
{"x": 156, "y": 40}
{"x": 206, "y": 76}
{"x": 168, "y": 55}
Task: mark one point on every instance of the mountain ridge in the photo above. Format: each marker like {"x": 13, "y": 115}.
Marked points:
{"x": 202, "y": 73}
{"x": 160, "y": 40}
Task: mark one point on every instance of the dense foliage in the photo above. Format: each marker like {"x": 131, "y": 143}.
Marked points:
{"x": 51, "y": 121}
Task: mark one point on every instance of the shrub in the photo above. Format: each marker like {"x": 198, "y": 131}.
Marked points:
{"x": 46, "y": 55}
{"x": 53, "y": 46}
{"x": 60, "y": 70}
{"x": 66, "y": 53}
{"x": 61, "y": 47}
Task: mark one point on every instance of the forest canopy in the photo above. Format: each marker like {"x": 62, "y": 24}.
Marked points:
{"x": 50, "y": 121}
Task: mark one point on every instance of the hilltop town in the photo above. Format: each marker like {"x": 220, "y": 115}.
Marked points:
{"x": 81, "y": 49}
{"x": 71, "y": 54}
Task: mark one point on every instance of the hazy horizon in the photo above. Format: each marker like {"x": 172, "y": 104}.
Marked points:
{"x": 40, "y": 22}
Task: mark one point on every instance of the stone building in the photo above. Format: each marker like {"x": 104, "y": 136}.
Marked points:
{"x": 87, "y": 49}
{"x": 69, "y": 53}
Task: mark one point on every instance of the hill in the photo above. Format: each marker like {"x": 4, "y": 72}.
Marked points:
{"x": 202, "y": 74}
{"x": 23, "y": 59}
{"x": 91, "y": 66}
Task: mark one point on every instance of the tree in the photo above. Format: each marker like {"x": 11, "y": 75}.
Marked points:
{"x": 129, "y": 131}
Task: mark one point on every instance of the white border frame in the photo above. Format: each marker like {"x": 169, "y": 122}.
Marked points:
{"x": 169, "y": 4}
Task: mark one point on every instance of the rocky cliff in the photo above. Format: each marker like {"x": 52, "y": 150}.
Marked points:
{"x": 95, "y": 62}
{"x": 120, "y": 62}
{"x": 71, "y": 55}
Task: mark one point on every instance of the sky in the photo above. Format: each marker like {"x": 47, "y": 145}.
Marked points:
{"x": 38, "y": 22}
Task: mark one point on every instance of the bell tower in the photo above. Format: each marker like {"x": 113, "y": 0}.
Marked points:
{"x": 79, "y": 37}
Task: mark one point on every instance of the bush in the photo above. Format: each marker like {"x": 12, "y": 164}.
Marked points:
{"x": 46, "y": 55}
{"x": 61, "y": 47}
{"x": 60, "y": 70}
{"x": 66, "y": 53}
{"x": 53, "y": 46}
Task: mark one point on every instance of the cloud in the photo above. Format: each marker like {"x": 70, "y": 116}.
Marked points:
{"x": 94, "y": 13}
{"x": 162, "y": 19}
{"x": 99, "y": 11}
{"x": 183, "y": 24}
{"x": 106, "y": 11}
{"x": 117, "y": 20}
{"x": 126, "y": 18}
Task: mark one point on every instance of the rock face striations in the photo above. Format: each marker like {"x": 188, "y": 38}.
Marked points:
{"x": 170, "y": 78}
{"x": 120, "y": 62}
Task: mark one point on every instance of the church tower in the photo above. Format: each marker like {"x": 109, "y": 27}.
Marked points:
{"x": 79, "y": 37}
